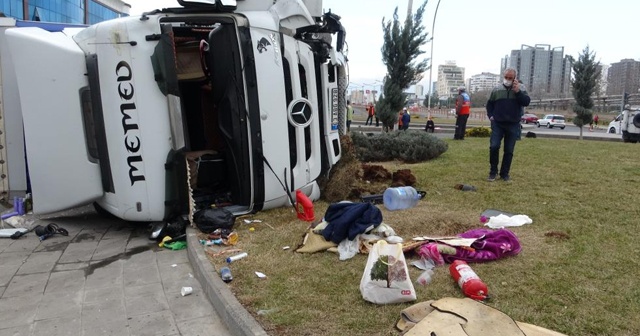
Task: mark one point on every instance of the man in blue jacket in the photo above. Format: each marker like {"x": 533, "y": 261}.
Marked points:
{"x": 504, "y": 109}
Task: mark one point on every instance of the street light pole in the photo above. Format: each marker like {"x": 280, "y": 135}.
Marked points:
{"x": 433, "y": 28}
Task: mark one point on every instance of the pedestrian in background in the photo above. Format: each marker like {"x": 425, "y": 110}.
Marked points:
{"x": 400, "y": 119}
{"x": 406, "y": 119}
{"x": 595, "y": 120}
{"x": 430, "y": 127}
{"x": 370, "y": 113}
{"x": 463, "y": 108}
{"x": 504, "y": 109}
{"x": 349, "y": 115}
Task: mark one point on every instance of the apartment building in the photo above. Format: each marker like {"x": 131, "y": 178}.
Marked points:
{"x": 485, "y": 81}
{"x": 65, "y": 11}
{"x": 623, "y": 76}
{"x": 450, "y": 77}
{"x": 545, "y": 71}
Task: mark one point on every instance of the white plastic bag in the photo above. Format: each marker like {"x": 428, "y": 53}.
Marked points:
{"x": 386, "y": 276}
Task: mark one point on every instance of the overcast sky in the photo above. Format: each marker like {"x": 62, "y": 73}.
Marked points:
{"x": 478, "y": 33}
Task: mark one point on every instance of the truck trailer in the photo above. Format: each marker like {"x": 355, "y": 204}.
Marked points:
{"x": 151, "y": 117}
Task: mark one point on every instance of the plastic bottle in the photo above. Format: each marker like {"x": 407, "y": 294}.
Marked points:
{"x": 20, "y": 206}
{"x": 236, "y": 257}
{"x": 400, "y": 198}
{"x": 468, "y": 280}
{"x": 225, "y": 274}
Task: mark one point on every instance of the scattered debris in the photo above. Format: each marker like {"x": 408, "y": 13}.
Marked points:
{"x": 174, "y": 265}
{"x": 266, "y": 311}
{"x": 465, "y": 187}
{"x": 219, "y": 253}
{"x": 502, "y": 221}
{"x": 286, "y": 247}
{"x": 261, "y": 275}
{"x": 558, "y": 235}
{"x": 186, "y": 291}
{"x": 237, "y": 257}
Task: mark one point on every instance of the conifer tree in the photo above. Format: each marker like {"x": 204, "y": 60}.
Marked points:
{"x": 586, "y": 72}
{"x": 400, "y": 50}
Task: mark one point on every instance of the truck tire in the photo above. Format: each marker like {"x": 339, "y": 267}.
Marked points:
{"x": 612, "y": 130}
{"x": 636, "y": 120}
{"x": 102, "y": 212}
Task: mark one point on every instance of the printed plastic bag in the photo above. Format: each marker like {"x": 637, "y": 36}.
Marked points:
{"x": 386, "y": 276}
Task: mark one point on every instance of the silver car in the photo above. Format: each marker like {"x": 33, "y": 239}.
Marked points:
{"x": 551, "y": 121}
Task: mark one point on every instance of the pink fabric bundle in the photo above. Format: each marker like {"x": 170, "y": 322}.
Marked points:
{"x": 489, "y": 245}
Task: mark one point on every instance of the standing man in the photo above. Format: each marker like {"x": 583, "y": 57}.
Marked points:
{"x": 463, "y": 108}
{"x": 349, "y": 115}
{"x": 370, "y": 113}
{"x": 504, "y": 109}
{"x": 406, "y": 119}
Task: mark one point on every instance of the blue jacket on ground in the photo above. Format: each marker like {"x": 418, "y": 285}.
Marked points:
{"x": 347, "y": 220}
{"x": 504, "y": 105}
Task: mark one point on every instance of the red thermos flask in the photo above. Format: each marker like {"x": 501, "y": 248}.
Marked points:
{"x": 304, "y": 207}
{"x": 468, "y": 280}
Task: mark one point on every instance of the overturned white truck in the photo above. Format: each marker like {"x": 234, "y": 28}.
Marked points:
{"x": 232, "y": 104}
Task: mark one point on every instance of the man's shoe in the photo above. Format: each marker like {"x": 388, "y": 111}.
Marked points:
{"x": 491, "y": 178}
{"x": 506, "y": 178}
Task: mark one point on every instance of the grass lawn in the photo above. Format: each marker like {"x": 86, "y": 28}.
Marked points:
{"x": 583, "y": 285}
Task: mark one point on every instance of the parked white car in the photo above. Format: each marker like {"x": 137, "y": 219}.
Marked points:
{"x": 615, "y": 126}
{"x": 551, "y": 121}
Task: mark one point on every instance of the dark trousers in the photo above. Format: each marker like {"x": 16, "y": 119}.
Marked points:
{"x": 509, "y": 132}
{"x": 461, "y": 126}
{"x": 377, "y": 122}
{"x": 369, "y": 121}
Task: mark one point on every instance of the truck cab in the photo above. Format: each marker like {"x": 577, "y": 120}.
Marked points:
{"x": 216, "y": 103}
{"x": 630, "y": 124}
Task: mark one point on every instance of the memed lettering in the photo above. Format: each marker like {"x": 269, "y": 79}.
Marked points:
{"x": 129, "y": 125}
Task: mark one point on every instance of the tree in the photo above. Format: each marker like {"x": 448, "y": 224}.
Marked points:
{"x": 400, "y": 49}
{"x": 389, "y": 269}
{"x": 586, "y": 72}
{"x": 480, "y": 98}
{"x": 434, "y": 98}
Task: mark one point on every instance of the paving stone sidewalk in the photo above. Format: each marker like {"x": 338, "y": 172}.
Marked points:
{"x": 105, "y": 278}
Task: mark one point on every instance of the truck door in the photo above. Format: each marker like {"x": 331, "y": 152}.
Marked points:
{"x": 61, "y": 149}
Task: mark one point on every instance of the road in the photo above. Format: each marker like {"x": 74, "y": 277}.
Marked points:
{"x": 445, "y": 131}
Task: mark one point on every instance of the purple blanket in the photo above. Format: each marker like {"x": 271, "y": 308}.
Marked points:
{"x": 490, "y": 245}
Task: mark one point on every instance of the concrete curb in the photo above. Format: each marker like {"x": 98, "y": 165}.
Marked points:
{"x": 235, "y": 316}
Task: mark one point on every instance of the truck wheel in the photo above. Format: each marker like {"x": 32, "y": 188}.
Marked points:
{"x": 636, "y": 120}
{"x": 612, "y": 130}
{"x": 102, "y": 212}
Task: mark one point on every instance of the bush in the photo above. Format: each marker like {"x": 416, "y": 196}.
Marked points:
{"x": 478, "y": 132}
{"x": 407, "y": 146}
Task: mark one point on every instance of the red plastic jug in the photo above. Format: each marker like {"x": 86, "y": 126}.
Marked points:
{"x": 304, "y": 207}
